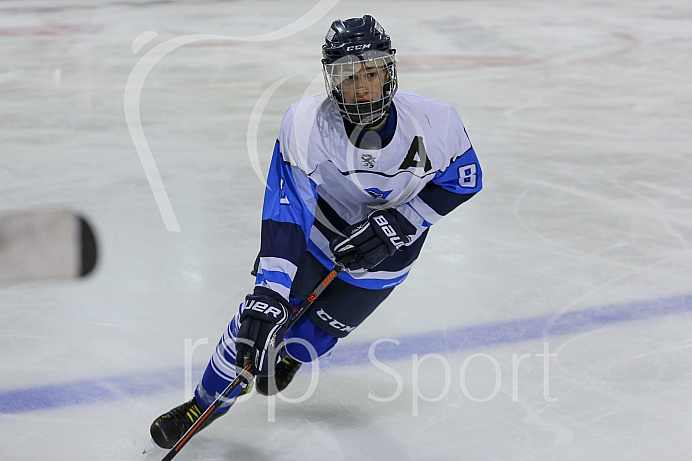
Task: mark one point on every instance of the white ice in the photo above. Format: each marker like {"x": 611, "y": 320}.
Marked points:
{"x": 157, "y": 120}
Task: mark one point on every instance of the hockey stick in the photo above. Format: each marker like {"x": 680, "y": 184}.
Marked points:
{"x": 242, "y": 376}
{"x": 44, "y": 245}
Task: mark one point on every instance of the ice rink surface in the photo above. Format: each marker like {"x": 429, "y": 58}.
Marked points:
{"x": 549, "y": 318}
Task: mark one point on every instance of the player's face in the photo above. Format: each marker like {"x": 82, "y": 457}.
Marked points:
{"x": 364, "y": 83}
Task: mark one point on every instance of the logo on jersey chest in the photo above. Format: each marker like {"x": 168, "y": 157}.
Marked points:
{"x": 377, "y": 193}
{"x": 368, "y": 160}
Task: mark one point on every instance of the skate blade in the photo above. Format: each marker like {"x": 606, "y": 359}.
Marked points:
{"x": 151, "y": 447}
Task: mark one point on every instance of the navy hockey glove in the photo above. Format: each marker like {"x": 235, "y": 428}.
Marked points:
{"x": 370, "y": 241}
{"x": 263, "y": 324}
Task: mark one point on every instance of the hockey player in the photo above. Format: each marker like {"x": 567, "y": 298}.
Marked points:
{"x": 361, "y": 173}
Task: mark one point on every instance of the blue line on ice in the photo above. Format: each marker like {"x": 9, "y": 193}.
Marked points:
{"x": 134, "y": 385}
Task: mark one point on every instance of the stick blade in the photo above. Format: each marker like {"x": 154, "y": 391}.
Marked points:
{"x": 150, "y": 447}
{"x": 89, "y": 248}
{"x": 46, "y": 245}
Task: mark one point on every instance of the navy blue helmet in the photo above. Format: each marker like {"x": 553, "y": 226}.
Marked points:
{"x": 359, "y": 69}
{"x": 355, "y": 36}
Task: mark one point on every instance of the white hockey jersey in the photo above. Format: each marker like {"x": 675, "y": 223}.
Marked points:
{"x": 320, "y": 181}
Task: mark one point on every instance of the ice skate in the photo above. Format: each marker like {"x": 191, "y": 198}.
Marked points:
{"x": 285, "y": 371}
{"x": 168, "y": 428}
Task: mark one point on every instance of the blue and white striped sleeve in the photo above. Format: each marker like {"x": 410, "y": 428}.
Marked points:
{"x": 288, "y": 213}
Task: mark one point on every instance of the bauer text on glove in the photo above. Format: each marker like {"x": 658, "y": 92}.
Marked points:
{"x": 370, "y": 241}
{"x": 263, "y": 325}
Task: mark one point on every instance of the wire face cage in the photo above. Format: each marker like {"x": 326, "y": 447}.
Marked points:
{"x": 362, "y": 86}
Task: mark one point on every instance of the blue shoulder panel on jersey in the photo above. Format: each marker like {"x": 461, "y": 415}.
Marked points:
{"x": 463, "y": 176}
{"x": 455, "y": 185}
{"x": 288, "y": 212}
{"x": 289, "y": 198}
